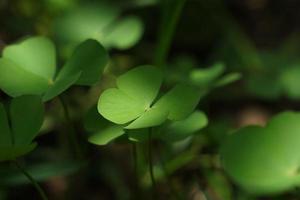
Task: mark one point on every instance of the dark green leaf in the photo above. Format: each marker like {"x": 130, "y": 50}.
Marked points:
{"x": 27, "y": 115}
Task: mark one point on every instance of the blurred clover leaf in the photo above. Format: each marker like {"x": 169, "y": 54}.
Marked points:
{"x": 20, "y": 126}
{"x": 100, "y": 22}
{"x": 132, "y": 104}
{"x": 212, "y": 77}
{"x": 185, "y": 68}
{"x": 29, "y": 67}
{"x": 290, "y": 81}
{"x": 264, "y": 160}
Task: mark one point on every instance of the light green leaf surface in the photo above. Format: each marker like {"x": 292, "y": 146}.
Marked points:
{"x": 60, "y": 85}
{"x": 180, "y": 101}
{"x": 28, "y": 68}
{"x": 182, "y": 129}
{"x": 16, "y": 81}
{"x": 152, "y": 117}
{"x": 35, "y": 55}
{"x": 118, "y": 107}
{"x": 124, "y": 34}
{"x": 142, "y": 83}
{"x": 265, "y": 160}
{"x": 136, "y": 91}
{"x": 106, "y": 135}
{"x": 27, "y": 115}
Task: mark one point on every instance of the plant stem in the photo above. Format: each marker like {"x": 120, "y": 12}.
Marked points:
{"x": 150, "y": 158}
{"x": 167, "y": 31}
{"x": 135, "y": 167}
{"x": 72, "y": 132}
{"x": 31, "y": 179}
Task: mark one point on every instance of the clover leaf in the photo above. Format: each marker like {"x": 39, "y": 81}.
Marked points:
{"x": 100, "y": 22}
{"x": 212, "y": 76}
{"x": 185, "y": 69}
{"x": 179, "y": 130}
{"x": 29, "y": 68}
{"x": 103, "y": 131}
{"x": 173, "y": 131}
{"x": 26, "y": 116}
{"x": 264, "y": 160}
{"x": 132, "y": 104}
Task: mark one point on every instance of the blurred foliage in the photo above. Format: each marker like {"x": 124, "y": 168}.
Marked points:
{"x": 235, "y": 54}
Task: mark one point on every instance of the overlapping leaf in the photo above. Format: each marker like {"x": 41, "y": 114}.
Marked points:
{"x": 28, "y": 68}
{"x": 132, "y": 104}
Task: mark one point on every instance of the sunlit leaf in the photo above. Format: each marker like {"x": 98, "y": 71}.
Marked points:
{"x": 107, "y": 134}
{"x": 118, "y": 107}
{"x": 142, "y": 83}
{"x": 152, "y": 117}
{"x": 180, "y": 101}
{"x": 35, "y": 55}
{"x": 136, "y": 90}
{"x": 16, "y": 81}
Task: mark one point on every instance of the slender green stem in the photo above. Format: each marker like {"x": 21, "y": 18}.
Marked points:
{"x": 150, "y": 157}
{"x": 31, "y": 179}
{"x": 168, "y": 29}
{"x": 72, "y": 132}
{"x": 135, "y": 167}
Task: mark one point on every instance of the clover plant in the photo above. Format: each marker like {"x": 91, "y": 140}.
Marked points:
{"x": 264, "y": 160}
{"x": 134, "y": 103}
{"x": 29, "y": 67}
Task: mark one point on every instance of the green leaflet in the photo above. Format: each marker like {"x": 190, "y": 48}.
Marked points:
{"x": 102, "y": 131}
{"x": 132, "y": 105}
{"x": 28, "y": 68}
